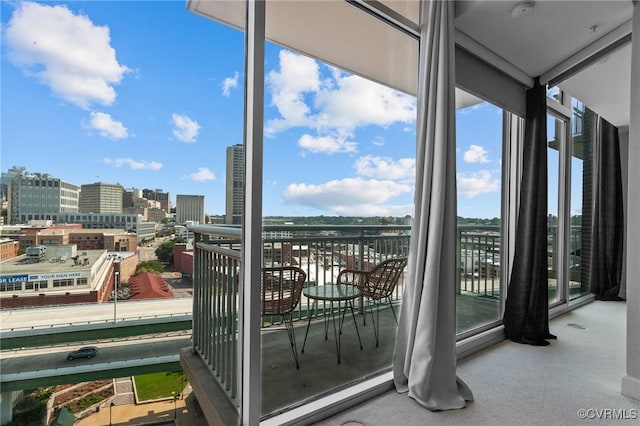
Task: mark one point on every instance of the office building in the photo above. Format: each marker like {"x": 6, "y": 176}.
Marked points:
{"x": 64, "y": 274}
{"x": 234, "y": 185}
{"x": 152, "y": 209}
{"x": 158, "y": 195}
{"x": 84, "y": 239}
{"x": 129, "y": 197}
{"x": 101, "y": 197}
{"x": 38, "y": 196}
{"x": 128, "y": 222}
{"x": 156, "y": 215}
{"x": 189, "y": 208}
{"x": 5, "y": 177}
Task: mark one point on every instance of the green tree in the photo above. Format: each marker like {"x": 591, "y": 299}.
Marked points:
{"x": 153, "y": 266}
{"x": 164, "y": 252}
{"x": 32, "y": 408}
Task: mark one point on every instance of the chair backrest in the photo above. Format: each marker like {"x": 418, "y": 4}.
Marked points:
{"x": 281, "y": 288}
{"x": 382, "y": 279}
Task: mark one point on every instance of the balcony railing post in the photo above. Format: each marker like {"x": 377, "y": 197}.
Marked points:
{"x": 215, "y": 306}
{"x": 361, "y": 249}
{"x": 459, "y": 261}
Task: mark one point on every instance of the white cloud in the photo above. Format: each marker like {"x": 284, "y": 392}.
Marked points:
{"x": 386, "y": 168}
{"x": 378, "y": 141}
{"x": 355, "y": 102}
{"x": 297, "y": 75}
{"x": 184, "y": 128}
{"x": 202, "y": 175}
{"x": 338, "y": 104}
{"x": 133, "y": 164}
{"x": 229, "y": 83}
{"x": 326, "y": 144}
{"x": 476, "y": 154}
{"x": 64, "y": 51}
{"x": 106, "y": 126}
{"x": 473, "y": 184}
{"x": 350, "y": 196}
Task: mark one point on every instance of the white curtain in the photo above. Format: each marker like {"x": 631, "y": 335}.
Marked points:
{"x": 425, "y": 359}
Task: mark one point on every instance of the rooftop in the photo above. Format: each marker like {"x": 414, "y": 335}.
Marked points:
{"x": 50, "y": 265}
{"x": 149, "y": 286}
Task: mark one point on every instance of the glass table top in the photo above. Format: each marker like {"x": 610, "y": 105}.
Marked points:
{"x": 332, "y": 292}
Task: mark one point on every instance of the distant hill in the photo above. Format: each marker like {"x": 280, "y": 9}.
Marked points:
{"x": 372, "y": 220}
{"x": 354, "y": 220}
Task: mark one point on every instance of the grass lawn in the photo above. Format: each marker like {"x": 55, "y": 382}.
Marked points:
{"x": 159, "y": 385}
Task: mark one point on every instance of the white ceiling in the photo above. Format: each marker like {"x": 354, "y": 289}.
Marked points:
{"x": 554, "y": 36}
{"x": 604, "y": 86}
{"x": 333, "y": 31}
{"x": 553, "y": 33}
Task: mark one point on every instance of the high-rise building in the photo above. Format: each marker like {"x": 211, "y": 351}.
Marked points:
{"x": 235, "y": 184}
{"x": 158, "y": 195}
{"x": 129, "y": 197}
{"x": 6, "y": 177}
{"x": 133, "y": 202}
{"x": 36, "y": 196}
{"x": 189, "y": 208}
{"x": 101, "y": 197}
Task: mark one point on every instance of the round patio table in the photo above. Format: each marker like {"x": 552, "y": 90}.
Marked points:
{"x": 333, "y": 293}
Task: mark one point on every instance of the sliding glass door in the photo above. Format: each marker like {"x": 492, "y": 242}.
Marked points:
{"x": 479, "y": 140}
{"x": 571, "y": 133}
{"x": 581, "y": 212}
{"x": 556, "y": 147}
{"x": 338, "y": 182}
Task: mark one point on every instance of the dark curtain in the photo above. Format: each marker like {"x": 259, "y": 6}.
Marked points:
{"x": 608, "y": 218}
{"x": 526, "y": 316}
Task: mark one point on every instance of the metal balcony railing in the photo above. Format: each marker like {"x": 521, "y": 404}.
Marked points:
{"x": 322, "y": 252}
{"x": 216, "y": 275}
{"x": 479, "y": 260}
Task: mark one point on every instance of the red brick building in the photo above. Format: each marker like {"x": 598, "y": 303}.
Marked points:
{"x": 8, "y": 249}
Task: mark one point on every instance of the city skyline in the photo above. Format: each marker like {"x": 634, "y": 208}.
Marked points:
{"x": 118, "y": 99}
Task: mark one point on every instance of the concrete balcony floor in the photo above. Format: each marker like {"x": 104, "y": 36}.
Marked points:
{"x": 284, "y": 386}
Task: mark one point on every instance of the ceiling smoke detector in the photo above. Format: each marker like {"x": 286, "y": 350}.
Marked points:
{"x": 521, "y": 9}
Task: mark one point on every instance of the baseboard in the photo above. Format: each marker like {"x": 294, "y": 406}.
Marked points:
{"x": 631, "y": 387}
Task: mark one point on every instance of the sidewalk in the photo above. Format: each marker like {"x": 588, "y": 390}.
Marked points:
{"x": 186, "y": 413}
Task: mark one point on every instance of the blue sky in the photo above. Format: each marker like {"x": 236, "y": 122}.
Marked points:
{"x": 149, "y": 95}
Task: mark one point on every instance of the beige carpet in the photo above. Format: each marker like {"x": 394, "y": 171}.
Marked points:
{"x": 516, "y": 384}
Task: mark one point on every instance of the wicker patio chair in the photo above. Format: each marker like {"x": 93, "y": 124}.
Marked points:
{"x": 376, "y": 284}
{"x": 281, "y": 290}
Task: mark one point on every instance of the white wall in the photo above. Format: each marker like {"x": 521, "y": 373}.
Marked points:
{"x": 623, "y": 134}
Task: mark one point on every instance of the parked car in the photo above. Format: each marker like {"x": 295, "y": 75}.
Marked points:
{"x": 85, "y": 352}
